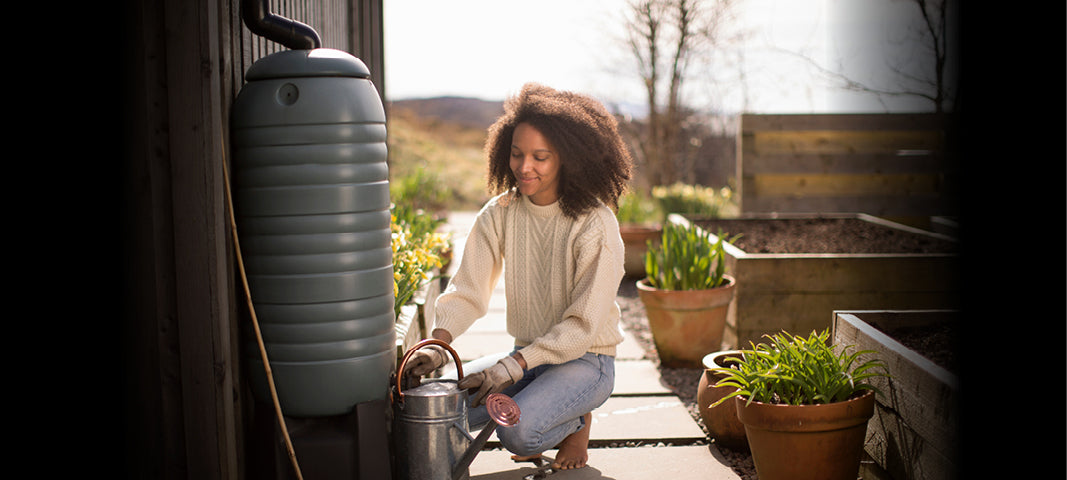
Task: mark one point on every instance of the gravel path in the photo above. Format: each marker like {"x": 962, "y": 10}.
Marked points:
{"x": 683, "y": 381}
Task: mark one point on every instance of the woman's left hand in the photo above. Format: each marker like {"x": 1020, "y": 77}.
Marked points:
{"x": 502, "y": 374}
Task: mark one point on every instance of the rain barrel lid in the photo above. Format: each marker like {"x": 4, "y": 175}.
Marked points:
{"x": 319, "y": 62}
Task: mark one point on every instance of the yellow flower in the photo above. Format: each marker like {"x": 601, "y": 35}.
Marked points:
{"x": 415, "y": 255}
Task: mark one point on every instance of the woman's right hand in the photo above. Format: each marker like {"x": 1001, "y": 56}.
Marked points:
{"x": 425, "y": 360}
{"x": 428, "y": 358}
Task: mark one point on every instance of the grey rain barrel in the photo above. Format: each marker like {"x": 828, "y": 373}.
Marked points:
{"x": 311, "y": 203}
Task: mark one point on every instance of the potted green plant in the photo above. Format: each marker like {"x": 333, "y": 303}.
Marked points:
{"x": 721, "y": 421}
{"x": 686, "y": 293}
{"x": 639, "y": 223}
{"x": 804, "y": 404}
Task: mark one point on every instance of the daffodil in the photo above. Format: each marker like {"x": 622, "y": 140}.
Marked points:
{"x": 694, "y": 199}
{"x": 417, "y": 250}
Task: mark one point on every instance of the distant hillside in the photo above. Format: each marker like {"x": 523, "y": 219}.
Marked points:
{"x": 466, "y": 112}
{"x": 445, "y": 136}
{"x": 440, "y": 140}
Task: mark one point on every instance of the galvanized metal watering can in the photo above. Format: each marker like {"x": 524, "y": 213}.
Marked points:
{"x": 430, "y": 429}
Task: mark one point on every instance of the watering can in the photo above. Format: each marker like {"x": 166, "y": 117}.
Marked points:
{"x": 430, "y": 431}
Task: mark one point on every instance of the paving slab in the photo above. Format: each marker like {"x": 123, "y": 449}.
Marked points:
{"x": 629, "y": 349}
{"x": 638, "y": 378}
{"x": 703, "y": 462}
{"x": 644, "y": 420}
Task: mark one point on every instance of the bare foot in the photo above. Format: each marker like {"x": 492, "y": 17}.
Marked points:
{"x": 574, "y": 450}
{"x": 528, "y": 458}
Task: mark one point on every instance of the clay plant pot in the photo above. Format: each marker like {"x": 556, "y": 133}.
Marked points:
{"x": 635, "y": 240}
{"x": 686, "y": 324}
{"x": 806, "y": 442}
{"x": 721, "y": 420}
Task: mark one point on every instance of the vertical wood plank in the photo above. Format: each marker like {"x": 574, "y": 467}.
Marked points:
{"x": 152, "y": 407}
{"x": 202, "y": 286}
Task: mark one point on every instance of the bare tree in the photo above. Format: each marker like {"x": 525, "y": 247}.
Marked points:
{"x": 935, "y": 30}
{"x": 664, "y": 36}
{"x": 925, "y": 73}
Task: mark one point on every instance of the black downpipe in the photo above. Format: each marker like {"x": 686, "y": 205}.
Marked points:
{"x": 291, "y": 33}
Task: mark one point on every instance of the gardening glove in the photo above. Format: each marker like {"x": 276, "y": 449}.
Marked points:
{"x": 503, "y": 373}
{"x": 424, "y": 361}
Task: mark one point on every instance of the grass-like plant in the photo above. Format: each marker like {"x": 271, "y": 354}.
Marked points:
{"x": 686, "y": 259}
{"x": 794, "y": 370}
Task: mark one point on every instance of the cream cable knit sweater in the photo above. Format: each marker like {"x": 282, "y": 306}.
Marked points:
{"x": 561, "y": 279}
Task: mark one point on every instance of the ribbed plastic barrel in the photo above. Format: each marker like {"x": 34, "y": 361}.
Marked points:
{"x": 311, "y": 202}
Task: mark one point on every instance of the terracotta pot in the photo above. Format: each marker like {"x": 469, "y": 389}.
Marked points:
{"x": 686, "y": 324}
{"x": 806, "y": 442}
{"x": 721, "y": 420}
{"x": 634, "y": 239}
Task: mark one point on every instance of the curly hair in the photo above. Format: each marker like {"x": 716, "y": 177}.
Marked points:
{"x": 595, "y": 163}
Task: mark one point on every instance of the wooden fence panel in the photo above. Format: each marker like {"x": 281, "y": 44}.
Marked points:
{"x": 893, "y": 166}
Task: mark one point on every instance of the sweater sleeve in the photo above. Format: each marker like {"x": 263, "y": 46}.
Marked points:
{"x": 467, "y": 296}
{"x": 591, "y": 319}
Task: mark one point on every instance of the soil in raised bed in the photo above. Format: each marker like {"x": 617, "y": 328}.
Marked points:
{"x": 936, "y": 343}
{"x": 824, "y": 235}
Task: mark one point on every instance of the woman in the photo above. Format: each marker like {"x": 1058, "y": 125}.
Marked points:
{"x": 557, "y": 166}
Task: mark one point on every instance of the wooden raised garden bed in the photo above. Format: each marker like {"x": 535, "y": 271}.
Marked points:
{"x": 794, "y": 270}
{"x": 913, "y": 432}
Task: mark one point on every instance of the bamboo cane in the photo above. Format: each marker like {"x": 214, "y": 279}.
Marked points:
{"x": 255, "y": 321}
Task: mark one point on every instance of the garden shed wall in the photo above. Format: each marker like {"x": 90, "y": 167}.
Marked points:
{"x": 182, "y": 64}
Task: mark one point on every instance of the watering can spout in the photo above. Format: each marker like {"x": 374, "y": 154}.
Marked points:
{"x": 504, "y": 412}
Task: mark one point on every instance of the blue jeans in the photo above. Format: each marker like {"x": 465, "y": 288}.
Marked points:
{"x": 552, "y": 400}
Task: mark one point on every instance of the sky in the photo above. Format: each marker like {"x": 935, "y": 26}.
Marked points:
{"x": 489, "y": 48}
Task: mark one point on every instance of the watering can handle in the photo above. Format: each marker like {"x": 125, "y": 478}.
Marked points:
{"x": 428, "y": 341}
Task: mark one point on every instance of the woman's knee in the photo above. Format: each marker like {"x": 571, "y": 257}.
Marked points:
{"x": 520, "y": 440}
{"x": 527, "y": 441}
